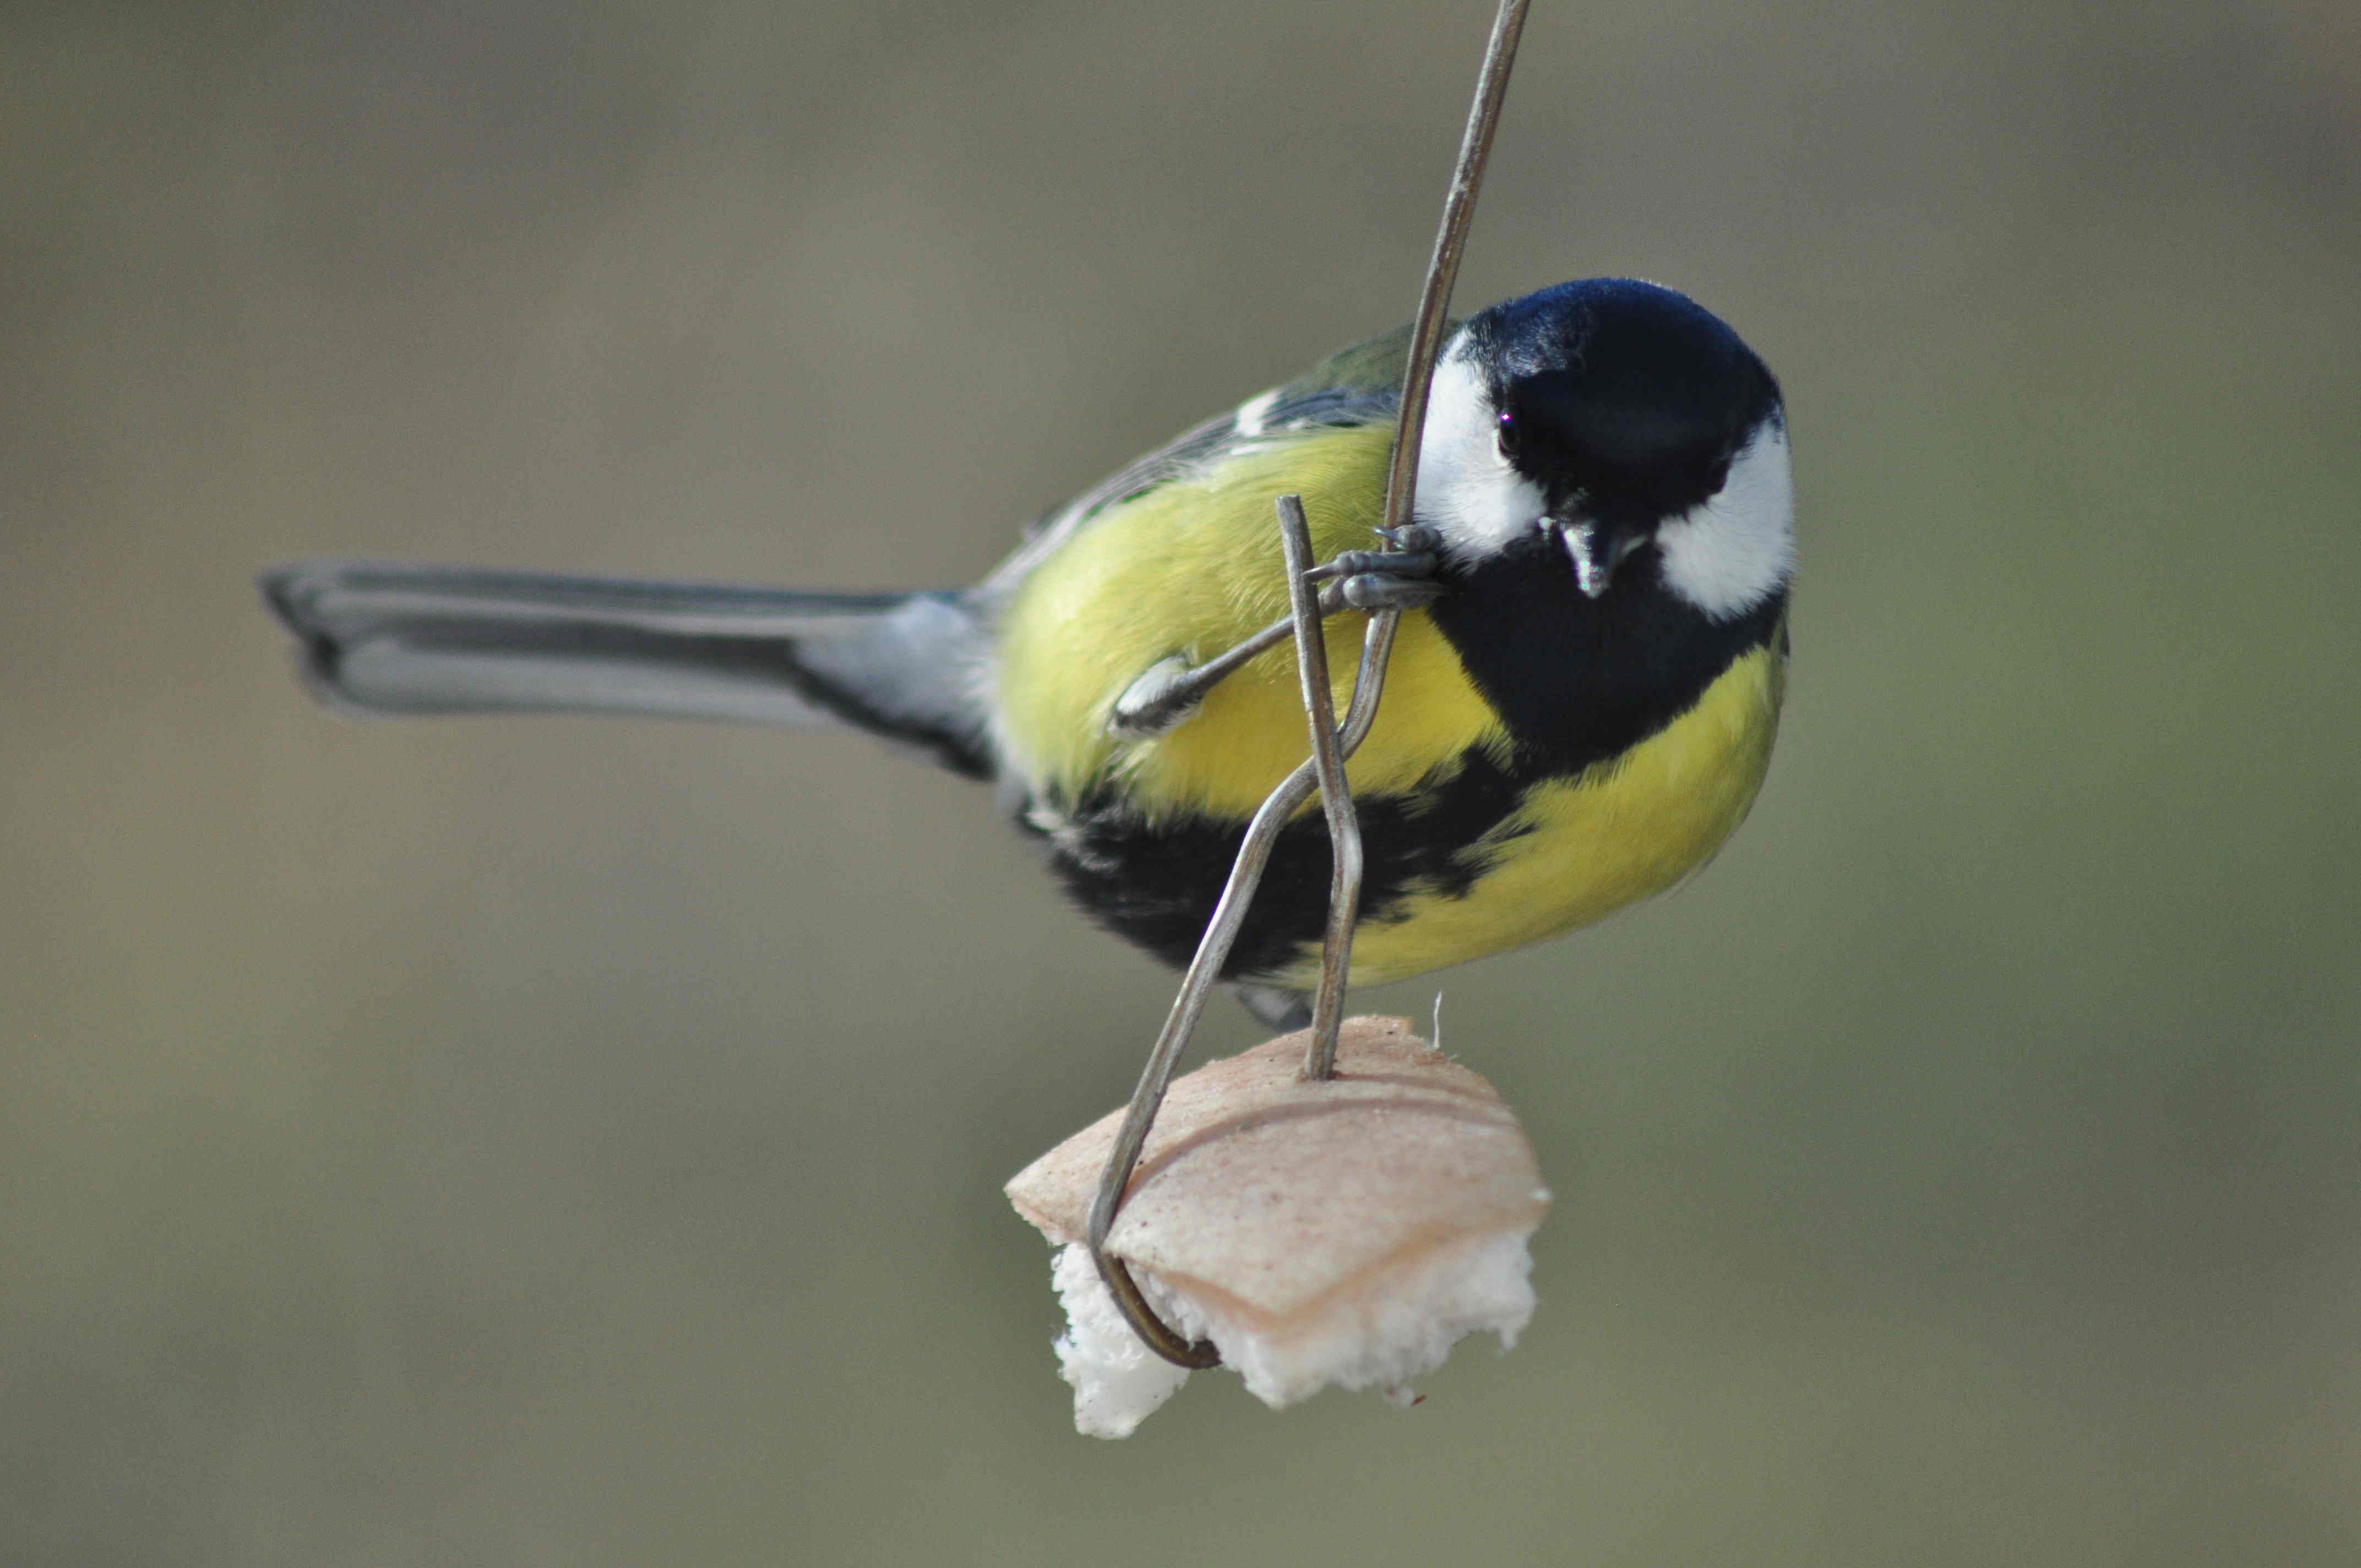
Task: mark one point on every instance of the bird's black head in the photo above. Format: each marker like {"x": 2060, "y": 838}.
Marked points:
{"x": 1609, "y": 414}
{"x": 1619, "y": 396}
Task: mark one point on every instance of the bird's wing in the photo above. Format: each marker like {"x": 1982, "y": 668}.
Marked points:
{"x": 1360, "y": 384}
{"x": 1357, "y": 386}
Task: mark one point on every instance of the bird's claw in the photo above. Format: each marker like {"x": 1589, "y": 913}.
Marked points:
{"x": 1399, "y": 578}
{"x": 1157, "y": 701}
{"x": 1384, "y": 590}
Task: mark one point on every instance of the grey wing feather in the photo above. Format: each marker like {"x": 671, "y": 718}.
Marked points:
{"x": 412, "y": 640}
{"x": 1360, "y": 384}
{"x": 1181, "y": 455}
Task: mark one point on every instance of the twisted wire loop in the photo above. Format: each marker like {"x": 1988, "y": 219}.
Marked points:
{"x": 1332, "y": 742}
{"x": 1335, "y": 795}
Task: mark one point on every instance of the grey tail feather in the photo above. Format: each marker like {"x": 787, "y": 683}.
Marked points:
{"x": 380, "y": 639}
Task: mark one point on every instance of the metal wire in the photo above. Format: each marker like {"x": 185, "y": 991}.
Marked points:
{"x": 1221, "y": 935}
{"x": 1401, "y": 478}
{"x": 1327, "y": 765}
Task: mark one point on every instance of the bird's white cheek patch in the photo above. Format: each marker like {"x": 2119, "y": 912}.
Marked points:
{"x": 1466, "y": 490}
{"x": 1738, "y": 549}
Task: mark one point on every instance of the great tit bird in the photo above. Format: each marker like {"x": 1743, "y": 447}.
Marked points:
{"x": 1579, "y": 709}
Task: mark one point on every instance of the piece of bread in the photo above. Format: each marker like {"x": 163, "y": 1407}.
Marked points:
{"x": 1345, "y": 1231}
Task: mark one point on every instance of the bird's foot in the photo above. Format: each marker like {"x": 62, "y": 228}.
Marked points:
{"x": 1400, "y": 576}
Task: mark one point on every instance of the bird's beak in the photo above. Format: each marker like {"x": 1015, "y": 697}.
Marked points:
{"x": 1595, "y": 553}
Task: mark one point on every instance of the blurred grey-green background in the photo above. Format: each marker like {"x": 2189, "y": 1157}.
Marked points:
{"x": 568, "y": 1142}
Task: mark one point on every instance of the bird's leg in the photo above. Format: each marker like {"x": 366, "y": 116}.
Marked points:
{"x": 1399, "y": 578}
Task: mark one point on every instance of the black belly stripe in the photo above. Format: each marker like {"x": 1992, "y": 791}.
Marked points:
{"x": 1156, "y": 885}
{"x": 1578, "y": 682}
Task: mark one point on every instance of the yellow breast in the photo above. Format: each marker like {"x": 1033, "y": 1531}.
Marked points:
{"x": 1194, "y": 566}
{"x": 1580, "y": 849}
{"x": 1191, "y": 568}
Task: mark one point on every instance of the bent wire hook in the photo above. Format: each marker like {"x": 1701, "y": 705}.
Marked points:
{"x": 1331, "y": 743}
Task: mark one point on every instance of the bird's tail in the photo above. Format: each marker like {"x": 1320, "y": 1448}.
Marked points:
{"x": 381, "y": 638}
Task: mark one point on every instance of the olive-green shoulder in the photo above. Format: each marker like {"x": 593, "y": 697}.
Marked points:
{"x": 1359, "y": 385}
{"x": 1354, "y": 387}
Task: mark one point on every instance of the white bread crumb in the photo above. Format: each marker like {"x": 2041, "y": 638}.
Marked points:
{"x": 1346, "y": 1232}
